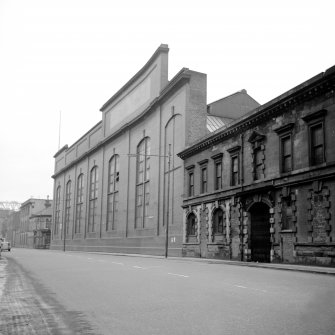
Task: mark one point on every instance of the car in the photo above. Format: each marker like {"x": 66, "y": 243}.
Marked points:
{"x": 4, "y": 245}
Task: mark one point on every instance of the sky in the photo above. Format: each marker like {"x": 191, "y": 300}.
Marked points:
{"x": 68, "y": 57}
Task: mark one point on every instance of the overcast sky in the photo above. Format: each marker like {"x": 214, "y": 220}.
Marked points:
{"x": 72, "y": 56}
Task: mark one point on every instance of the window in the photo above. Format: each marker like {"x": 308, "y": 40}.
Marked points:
{"x": 203, "y": 181}
{"x": 257, "y": 141}
{"x": 286, "y": 153}
{"x": 191, "y": 225}
{"x": 113, "y": 192}
{"x": 79, "y": 203}
{"x": 203, "y": 175}
{"x": 218, "y": 175}
{"x": 218, "y": 221}
{"x": 217, "y": 170}
{"x": 316, "y": 144}
{"x": 67, "y": 206}
{"x": 191, "y": 184}
{"x": 235, "y": 165}
{"x": 316, "y": 135}
{"x": 93, "y": 200}
{"x": 58, "y": 225}
{"x": 258, "y": 163}
{"x": 285, "y": 147}
{"x": 234, "y": 171}
{"x": 142, "y": 184}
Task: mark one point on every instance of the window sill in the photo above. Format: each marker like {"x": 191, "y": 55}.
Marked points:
{"x": 287, "y": 231}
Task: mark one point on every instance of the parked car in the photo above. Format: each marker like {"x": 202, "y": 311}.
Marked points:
{"x": 4, "y": 245}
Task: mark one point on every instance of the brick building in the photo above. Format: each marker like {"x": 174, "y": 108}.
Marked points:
{"x": 262, "y": 188}
{"x": 114, "y": 190}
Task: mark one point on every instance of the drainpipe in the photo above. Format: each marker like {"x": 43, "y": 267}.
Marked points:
{"x": 242, "y": 181}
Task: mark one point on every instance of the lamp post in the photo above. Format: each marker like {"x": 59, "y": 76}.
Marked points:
{"x": 168, "y": 206}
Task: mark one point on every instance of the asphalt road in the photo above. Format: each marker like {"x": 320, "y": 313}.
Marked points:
{"x": 81, "y": 293}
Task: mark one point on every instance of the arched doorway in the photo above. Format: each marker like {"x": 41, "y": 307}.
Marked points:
{"x": 260, "y": 243}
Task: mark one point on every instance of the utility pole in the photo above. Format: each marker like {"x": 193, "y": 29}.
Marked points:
{"x": 168, "y": 206}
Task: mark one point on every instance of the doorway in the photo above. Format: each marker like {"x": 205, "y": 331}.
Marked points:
{"x": 260, "y": 233}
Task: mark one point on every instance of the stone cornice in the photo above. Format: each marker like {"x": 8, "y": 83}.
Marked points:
{"x": 324, "y": 82}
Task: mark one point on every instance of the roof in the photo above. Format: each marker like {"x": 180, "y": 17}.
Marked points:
{"x": 44, "y": 212}
{"x": 215, "y": 122}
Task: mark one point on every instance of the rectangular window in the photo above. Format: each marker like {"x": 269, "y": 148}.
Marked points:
{"x": 316, "y": 143}
{"x": 258, "y": 161}
{"x": 203, "y": 181}
{"x": 286, "y": 153}
{"x": 218, "y": 175}
{"x": 191, "y": 184}
{"x": 234, "y": 171}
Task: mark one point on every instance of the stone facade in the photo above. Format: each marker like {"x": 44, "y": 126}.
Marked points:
{"x": 263, "y": 188}
{"x": 34, "y": 215}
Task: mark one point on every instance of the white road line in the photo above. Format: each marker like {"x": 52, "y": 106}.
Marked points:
{"x": 138, "y": 267}
{"x": 240, "y": 286}
{"x": 117, "y": 263}
{"x": 178, "y": 275}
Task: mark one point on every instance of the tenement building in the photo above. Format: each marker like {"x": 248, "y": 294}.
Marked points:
{"x": 262, "y": 188}
{"x": 117, "y": 187}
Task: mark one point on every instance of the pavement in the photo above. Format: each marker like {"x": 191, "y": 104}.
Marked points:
{"x": 276, "y": 266}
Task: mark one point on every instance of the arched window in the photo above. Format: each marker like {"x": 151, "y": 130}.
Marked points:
{"x": 67, "y": 206}
{"x": 58, "y": 224}
{"x": 191, "y": 224}
{"x": 93, "y": 200}
{"x": 142, "y": 183}
{"x": 218, "y": 221}
{"x": 113, "y": 192}
{"x": 79, "y": 203}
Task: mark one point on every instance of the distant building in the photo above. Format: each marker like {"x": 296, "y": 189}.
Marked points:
{"x": 263, "y": 188}
{"x": 35, "y": 220}
{"x": 113, "y": 188}
{"x": 41, "y": 223}
{"x": 13, "y": 226}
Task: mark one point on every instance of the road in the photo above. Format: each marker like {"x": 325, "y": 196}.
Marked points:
{"x": 52, "y": 292}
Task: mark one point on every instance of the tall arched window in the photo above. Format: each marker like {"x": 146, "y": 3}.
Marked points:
{"x": 113, "y": 192}
{"x": 218, "y": 221}
{"x": 93, "y": 200}
{"x": 58, "y": 224}
{"x": 79, "y": 203}
{"x": 67, "y": 206}
{"x": 191, "y": 224}
{"x": 142, "y": 183}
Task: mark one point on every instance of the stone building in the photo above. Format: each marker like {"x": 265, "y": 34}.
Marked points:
{"x": 41, "y": 224}
{"x": 114, "y": 189}
{"x": 262, "y": 188}
{"x": 26, "y": 231}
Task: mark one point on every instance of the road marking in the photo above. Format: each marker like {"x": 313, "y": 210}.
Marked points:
{"x": 138, "y": 267}
{"x": 250, "y": 288}
{"x": 117, "y": 263}
{"x": 176, "y": 274}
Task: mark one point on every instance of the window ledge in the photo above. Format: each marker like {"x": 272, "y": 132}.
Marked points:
{"x": 287, "y": 231}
